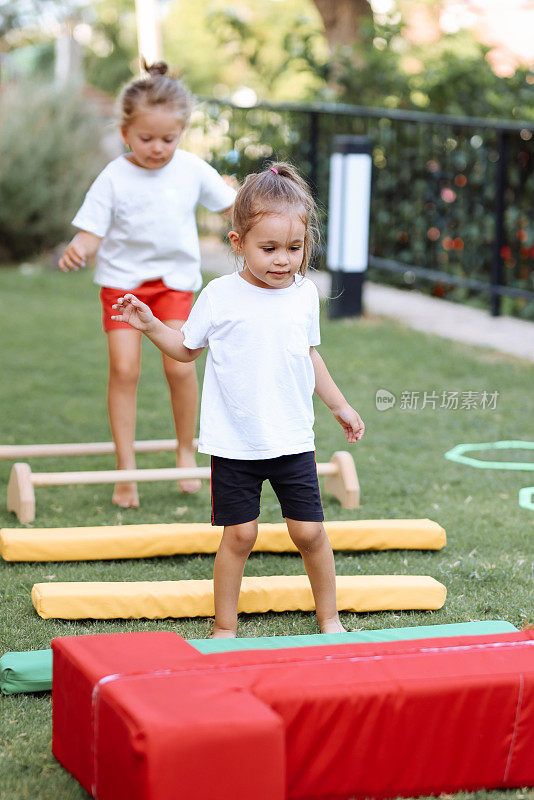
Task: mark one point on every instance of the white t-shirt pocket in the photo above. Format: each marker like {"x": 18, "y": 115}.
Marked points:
{"x": 298, "y": 340}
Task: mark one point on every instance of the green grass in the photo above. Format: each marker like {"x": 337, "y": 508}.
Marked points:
{"x": 53, "y": 390}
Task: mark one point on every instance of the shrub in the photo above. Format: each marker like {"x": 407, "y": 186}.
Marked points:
{"x": 51, "y": 146}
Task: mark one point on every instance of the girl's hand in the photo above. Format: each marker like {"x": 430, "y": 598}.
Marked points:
{"x": 83, "y": 246}
{"x": 134, "y": 312}
{"x": 350, "y": 421}
{"x": 231, "y": 180}
{"x": 72, "y": 258}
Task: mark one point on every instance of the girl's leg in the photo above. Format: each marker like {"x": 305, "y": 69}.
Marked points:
{"x": 124, "y": 348}
{"x": 316, "y": 552}
{"x": 234, "y": 549}
{"x": 183, "y": 386}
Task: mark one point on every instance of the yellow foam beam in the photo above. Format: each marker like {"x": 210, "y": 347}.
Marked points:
{"x": 161, "y": 599}
{"x": 145, "y": 541}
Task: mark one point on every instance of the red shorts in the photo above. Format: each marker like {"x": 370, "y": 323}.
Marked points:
{"x": 164, "y": 303}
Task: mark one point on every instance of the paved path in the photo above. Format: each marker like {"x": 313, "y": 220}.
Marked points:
{"x": 440, "y": 317}
{"x": 452, "y": 320}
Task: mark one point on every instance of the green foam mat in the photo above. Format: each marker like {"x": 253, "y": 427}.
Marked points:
{"x": 26, "y": 672}
{"x": 31, "y": 671}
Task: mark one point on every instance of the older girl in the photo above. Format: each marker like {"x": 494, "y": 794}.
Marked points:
{"x": 139, "y": 219}
{"x": 261, "y": 326}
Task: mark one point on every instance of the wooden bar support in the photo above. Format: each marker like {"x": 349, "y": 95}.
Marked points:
{"x": 343, "y": 481}
{"x": 340, "y": 472}
{"x": 20, "y": 493}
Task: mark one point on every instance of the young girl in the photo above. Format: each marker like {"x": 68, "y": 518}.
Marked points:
{"x": 139, "y": 218}
{"x": 261, "y": 326}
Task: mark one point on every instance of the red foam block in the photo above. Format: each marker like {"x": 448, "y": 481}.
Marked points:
{"x": 184, "y": 738}
{"x": 79, "y": 662}
{"x": 372, "y": 720}
{"x": 409, "y": 724}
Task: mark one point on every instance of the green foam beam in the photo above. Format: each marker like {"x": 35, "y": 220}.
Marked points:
{"x": 31, "y": 671}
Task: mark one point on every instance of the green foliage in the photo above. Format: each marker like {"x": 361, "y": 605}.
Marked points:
{"x": 274, "y": 48}
{"x": 111, "y": 54}
{"x": 449, "y": 76}
{"x": 279, "y": 50}
{"x": 271, "y": 47}
{"x": 51, "y": 145}
{"x": 110, "y": 71}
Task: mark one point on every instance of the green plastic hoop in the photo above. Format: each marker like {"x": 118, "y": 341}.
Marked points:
{"x": 526, "y": 498}
{"x": 457, "y": 455}
{"x": 526, "y": 495}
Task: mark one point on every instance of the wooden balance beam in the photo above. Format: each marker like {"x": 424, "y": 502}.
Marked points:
{"x": 340, "y": 473}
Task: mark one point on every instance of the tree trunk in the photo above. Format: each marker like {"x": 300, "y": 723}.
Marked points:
{"x": 342, "y": 20}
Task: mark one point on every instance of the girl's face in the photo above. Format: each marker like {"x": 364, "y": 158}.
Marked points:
{"x": 273, "y": 249}
{"x": 152, "y": 137}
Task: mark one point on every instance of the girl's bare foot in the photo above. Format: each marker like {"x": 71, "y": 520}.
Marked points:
{"x": 186, "y": 458}
{"x": 125, "y": 495}
{"x": 222, "y": 633}
{"x": 332, "y": 625}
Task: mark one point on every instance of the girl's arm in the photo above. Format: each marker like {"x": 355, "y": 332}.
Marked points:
{"x": 348, "y": 418}
{"x": 140, "y": 317}
{"x": 230, "y": 180}
{"x": 83, "y": 246}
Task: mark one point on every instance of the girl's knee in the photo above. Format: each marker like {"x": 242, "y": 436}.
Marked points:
{"x": 307, "y": 536}
{"x": 241, "y": 538}
{"x": 176, "y": 371}
{"x": 124, "y": 372}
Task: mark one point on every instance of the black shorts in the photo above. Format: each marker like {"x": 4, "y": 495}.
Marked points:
{"x": 236, "y": 488}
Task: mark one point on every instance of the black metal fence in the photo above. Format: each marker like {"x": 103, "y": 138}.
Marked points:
{"x": 452, "y": 197}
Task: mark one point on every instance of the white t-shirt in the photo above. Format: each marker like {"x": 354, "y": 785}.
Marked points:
{"x": 147, "y": 220}
{"x": 259, "y": 378}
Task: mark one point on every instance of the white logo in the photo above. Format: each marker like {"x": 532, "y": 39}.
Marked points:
{"x": 384, "y": 400}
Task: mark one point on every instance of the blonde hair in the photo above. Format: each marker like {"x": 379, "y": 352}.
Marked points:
{"x": 156, "y": 88}
{"x": 273, "y": 191}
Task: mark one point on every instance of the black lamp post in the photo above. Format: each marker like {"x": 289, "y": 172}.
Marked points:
{"x": 348, "y": 222}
